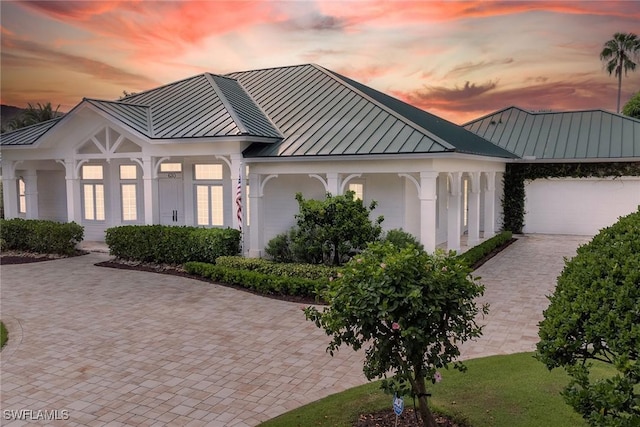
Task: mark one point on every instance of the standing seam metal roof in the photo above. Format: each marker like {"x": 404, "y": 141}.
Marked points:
{"x": 573, "y": 135}
{"x": 322, "y": 113}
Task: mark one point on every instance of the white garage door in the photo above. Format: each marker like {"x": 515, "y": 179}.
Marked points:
{"x": 578, "y": 205}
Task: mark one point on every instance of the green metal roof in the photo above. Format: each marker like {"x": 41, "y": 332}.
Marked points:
{"x": 574, "y": 135}
{"x": 27, "y": 135}
{"x": 321, "y": 113}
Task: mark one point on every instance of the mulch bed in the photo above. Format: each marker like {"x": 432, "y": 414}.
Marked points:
{"x": 177, "y": 271}
{"x": 17, "y": 257}
{"x": 408, "y": 418}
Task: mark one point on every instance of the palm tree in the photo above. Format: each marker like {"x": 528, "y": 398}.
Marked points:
{"x": 33, "y": 114}
{"x": 619, "y": 53}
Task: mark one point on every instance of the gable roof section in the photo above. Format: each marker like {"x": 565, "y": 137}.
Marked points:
{"x": 568, "y": 136}
{"x": 321, "y": 114}
{"x": 203, "y": 106}
{"x": 198, "y": 107}
{"x": 27, "y": 135}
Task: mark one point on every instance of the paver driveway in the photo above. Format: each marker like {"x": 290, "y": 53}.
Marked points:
{"x": 116, "y": 347}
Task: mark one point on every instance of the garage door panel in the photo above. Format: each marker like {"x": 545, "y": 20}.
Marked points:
{"x": 578, "y": 206}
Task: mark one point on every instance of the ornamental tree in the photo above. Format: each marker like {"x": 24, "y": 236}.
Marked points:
{"x": 331, "y": 228}
{"x": 409, "y": 309}
{"x": 594, "y": 315}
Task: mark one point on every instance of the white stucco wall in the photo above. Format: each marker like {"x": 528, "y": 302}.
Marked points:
{"x": 52, "y": 196}
{"x": 578, "y": 206}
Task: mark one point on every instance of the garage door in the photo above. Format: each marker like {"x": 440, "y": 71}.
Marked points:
{"x": 578, "y": 206}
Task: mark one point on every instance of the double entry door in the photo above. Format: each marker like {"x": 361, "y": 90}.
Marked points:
{"x": 170, "y": 195}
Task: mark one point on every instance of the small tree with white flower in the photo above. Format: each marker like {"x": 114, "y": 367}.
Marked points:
{"x": 409, "y": 309}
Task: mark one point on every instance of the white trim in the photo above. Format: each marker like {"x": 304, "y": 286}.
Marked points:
{"x": 264, "y": 182}
{"x": 346, "y": 181}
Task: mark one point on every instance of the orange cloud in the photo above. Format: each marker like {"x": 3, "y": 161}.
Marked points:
{"x": 392, "y": 12}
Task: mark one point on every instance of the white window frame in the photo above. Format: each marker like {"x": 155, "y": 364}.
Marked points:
{"x": 171, "y": 167}
{"x": 357, "y": 182}
{"x": 213, "y": 213}
{"x": 22, "y": 196}
{"x": 98, "y": 210}
{"x": 128, "y": 181}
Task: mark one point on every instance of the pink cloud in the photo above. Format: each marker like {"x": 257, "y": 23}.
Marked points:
{"x": 390, "y": 13}
{"x": 462, "y": 104}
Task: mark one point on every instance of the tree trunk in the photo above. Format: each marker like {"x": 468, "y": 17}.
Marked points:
{"x": 423, "y": 407}
{"x": 619, "y": 84}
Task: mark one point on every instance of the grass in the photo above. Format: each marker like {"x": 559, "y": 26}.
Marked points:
{"x": 4, "y": 335}
{"x": 514, "y": 391}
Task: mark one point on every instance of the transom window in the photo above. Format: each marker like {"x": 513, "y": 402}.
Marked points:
{"x": 128, "y": 172}
{"x": 208, "y": 172}
{"x": 171, "y": 167}
{"x": 92, "y": 172}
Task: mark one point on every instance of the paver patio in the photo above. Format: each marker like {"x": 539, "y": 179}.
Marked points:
{"x": 118, "y": 347}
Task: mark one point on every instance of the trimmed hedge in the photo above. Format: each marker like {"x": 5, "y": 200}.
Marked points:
{"x": 259, "y": 265}
{"x": 171, "y": 245}
{"x": 40, "y": 236}
{"x": 475, "y": 254}
{"x": 268, "y": 284}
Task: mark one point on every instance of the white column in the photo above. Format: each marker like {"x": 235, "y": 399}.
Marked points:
{"x": 9, "y": 191}
{"x": 489, "y": 205}
{"x": 255, "y": 231}
{"x": 454, "y": 212}
{"x": 31, "y": 193}
{"x": 474, "y": 210}
{"x": 148, "y": 176}
{"x": 333, "y": 183}
{"x": 428, "y": 195}
{"x": 235, "y": 166}
{"x": 73, "y": 192}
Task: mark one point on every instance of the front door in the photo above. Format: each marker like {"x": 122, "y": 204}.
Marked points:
{"x": 171, "y": 200}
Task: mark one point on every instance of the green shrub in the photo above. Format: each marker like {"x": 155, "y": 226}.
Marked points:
{"x": 171, "y": 245}
{"x": 401, "y": 239}
{"x": 475, "y": 254}
{"x": 303, "y": 271}
{"x": 40, "y": 236}
{"x": 267, "y": 284}
{"x": 279, "y": 249}
{"x": 594, "y": 315}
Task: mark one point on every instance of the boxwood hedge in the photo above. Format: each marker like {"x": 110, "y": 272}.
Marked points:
{"x": 40, "y": 236}
{"x": 171, "y": 245}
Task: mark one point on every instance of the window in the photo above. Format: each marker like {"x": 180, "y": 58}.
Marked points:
{"x": 170, "y": 167}
{"x": 128, "y": 172}
{"x": 209, "y": 205}
{"x": 208, "y": 172}
{"x": 22, "y": 196}
{"x": 94, "y": 202}
{"x": 358, "y": 188}
{"x": 93, "y": 192}
{"x": 128, "y": 192}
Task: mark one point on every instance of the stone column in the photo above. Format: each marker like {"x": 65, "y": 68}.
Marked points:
{"x": 9, "y": 191}
{"x": 333, "y": 183}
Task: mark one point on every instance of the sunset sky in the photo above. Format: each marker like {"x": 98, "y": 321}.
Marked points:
{"x": 458, "y": 60}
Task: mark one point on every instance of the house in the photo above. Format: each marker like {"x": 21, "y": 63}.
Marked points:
{"x": 177, "y": 154}
{"x": 585, "y": 164}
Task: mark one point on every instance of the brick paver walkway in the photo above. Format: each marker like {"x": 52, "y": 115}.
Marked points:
{"x": 115, "y": 347}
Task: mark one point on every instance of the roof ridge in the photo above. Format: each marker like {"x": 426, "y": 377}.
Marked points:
{"x": 227, "y": 104}
{"x": 493, "y": 113}
{"x": 389, "y": 110}
{"x": 165, "y": 85}
{"x": 116, "y": 102}
{"x": 269, "y": 68}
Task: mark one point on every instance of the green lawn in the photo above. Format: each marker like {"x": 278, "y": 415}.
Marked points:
{"x": 510, "y": 391}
